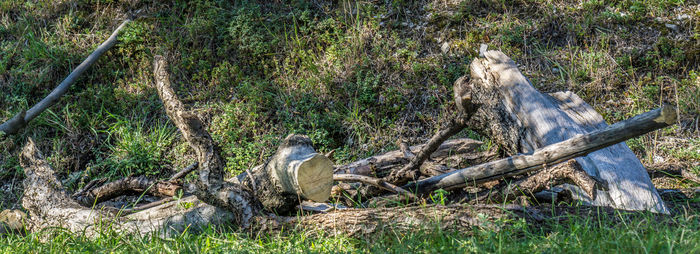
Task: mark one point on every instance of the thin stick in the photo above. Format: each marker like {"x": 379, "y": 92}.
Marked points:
{"x": 374, "y": 182}
{"x": 184, "y": 172}
{"x": 20, "y": 120}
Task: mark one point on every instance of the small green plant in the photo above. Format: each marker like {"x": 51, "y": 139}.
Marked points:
{"x": 439, "y": 196}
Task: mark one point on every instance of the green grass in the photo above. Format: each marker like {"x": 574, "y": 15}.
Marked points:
{"x": 605, "y": 233}
{"x": 353, "y": 76}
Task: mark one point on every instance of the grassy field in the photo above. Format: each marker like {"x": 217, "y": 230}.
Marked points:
{"x": 353, "y": 75}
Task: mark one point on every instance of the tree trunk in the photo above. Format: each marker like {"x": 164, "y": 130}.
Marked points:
{"x": 521, "y": 120}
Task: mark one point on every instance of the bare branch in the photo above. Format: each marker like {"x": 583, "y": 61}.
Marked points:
{"x": 20, "y": 120}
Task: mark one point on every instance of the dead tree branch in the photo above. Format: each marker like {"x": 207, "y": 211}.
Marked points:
{"x": 20, "y": 120}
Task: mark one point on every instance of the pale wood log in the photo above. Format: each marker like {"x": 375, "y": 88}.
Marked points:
{"x": 577, "y": 146}
{"x": 294, "y": 173}
{"x": 521, "y": 119}
{"x": 20, "y": 120}
{"x": 50, "y": 206}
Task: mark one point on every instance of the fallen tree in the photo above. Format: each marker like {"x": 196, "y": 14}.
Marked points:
{"x": 520, "y": 119}
{"x": 296, "y": 173}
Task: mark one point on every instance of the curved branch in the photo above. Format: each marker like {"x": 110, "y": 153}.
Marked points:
{"x": 211, "y": 187}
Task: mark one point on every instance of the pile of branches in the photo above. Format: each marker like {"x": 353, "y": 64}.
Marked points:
{"x": 268, "y": 197}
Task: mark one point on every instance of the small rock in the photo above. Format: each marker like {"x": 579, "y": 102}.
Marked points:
{"x": 12, "y": 221}
{"x": 482, "y": 49}
{"x": 445, "y": 47}
{"x": 682, "y": 17}
{"x": 555, "y": 70}
{"x": 658, "y": 159}
{"x": 672, "y": 27}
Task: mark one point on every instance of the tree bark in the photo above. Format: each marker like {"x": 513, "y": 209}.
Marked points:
{"x": 520, "y": 119}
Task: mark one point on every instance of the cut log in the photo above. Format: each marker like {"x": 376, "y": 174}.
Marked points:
{"x": 49, "y": 206}
{"x": 521, "y": 119}
{"x": 379, "y": 165}
{"x": 550, "y": 155}
{"x": 294, "y": 173}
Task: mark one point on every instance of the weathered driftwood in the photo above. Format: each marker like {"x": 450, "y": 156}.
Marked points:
{"x": 521, "y": 119}
{"x": 550, "y": 155}
{"x": 384, "y": 163}
{"x": 20, "y": 120}
{"x": 50, "y": 206}
{"x": 211, "y": 187}
{"x": 295, "y": 171}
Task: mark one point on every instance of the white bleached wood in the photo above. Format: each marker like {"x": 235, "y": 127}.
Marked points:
{"x": 541, "y": 120}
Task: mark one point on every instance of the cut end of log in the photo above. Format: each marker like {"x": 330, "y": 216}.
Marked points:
{"x": 315, "y": 177}
{"x": 668, "y": 115}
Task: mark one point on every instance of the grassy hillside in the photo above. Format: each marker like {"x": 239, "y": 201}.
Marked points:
{"x": 353, "y": 76}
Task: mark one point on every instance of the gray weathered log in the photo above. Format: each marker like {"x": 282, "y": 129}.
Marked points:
{"x": 50, "y": 206}
{"x": 20, "y": 120}
{"x": 552, "y": 154}
{"x": 387, "y": 161}
{"x": 520, "y": 119}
